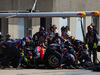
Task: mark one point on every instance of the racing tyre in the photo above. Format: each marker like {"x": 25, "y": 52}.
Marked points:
{"x": 53, "y": 59}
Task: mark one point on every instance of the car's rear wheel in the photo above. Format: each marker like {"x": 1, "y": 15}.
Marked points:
{"x": 53, "y": 59}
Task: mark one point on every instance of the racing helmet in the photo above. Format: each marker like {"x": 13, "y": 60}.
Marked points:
{"x": 12, "y": 40}
{"x": 57, "y": 35}
{"x": 30, "y": 38}
{"x": 72, "y": 39}
{"x": 90, "y": 28}
{"x": 24, "y": 38}
{"x": 41, "y": 29}
{"x": 58, "y": 41}
{"x": 27, "y": 39}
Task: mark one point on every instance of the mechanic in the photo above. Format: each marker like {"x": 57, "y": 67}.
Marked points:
{"x": 40, "y": 38}
{"x": 91, "y": 40}
{"x": 80, "y": 47}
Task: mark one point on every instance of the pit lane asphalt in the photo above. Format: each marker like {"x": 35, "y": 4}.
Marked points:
{"x": 48, "y": 72}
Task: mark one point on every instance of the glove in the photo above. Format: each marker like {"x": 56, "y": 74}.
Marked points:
{"x": 94, "y": 45}
{"x": 25, "y": 59}
{"x": 22, "y": 54}
{"x": 87, "y": 47}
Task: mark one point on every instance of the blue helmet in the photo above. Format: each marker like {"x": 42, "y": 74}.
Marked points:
{"x": 90, "y": 28}
{"x": 41, "y": 29}
{"x": 30, "y": 37}
{"x": 71, "y": 38}
{"x": 12, "y": 40}
{"x": 57, "y": 35}
{"x": 24, "y": 38}
{"x": 58, "y": 41}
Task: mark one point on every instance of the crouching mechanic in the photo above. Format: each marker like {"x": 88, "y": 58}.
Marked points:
{"x": 81, "y": 49}
{"x": 69, "y": 59}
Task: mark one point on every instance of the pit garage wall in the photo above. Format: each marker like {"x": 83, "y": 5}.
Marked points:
{"x": 4, "y": 27}
{"x": 18, "y": 27}
{"x": 35, "y": 25}
{"x": 13, "y": 27}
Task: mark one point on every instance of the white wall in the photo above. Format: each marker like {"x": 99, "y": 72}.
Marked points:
{"x": 79, "y": 33}
{"x": 62, "y": 22}
{"x": 35, "y": 25}
{"x": 21, "y": 28}
{"x": 13, "y": 27}
{"x": 73, "y": 26}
